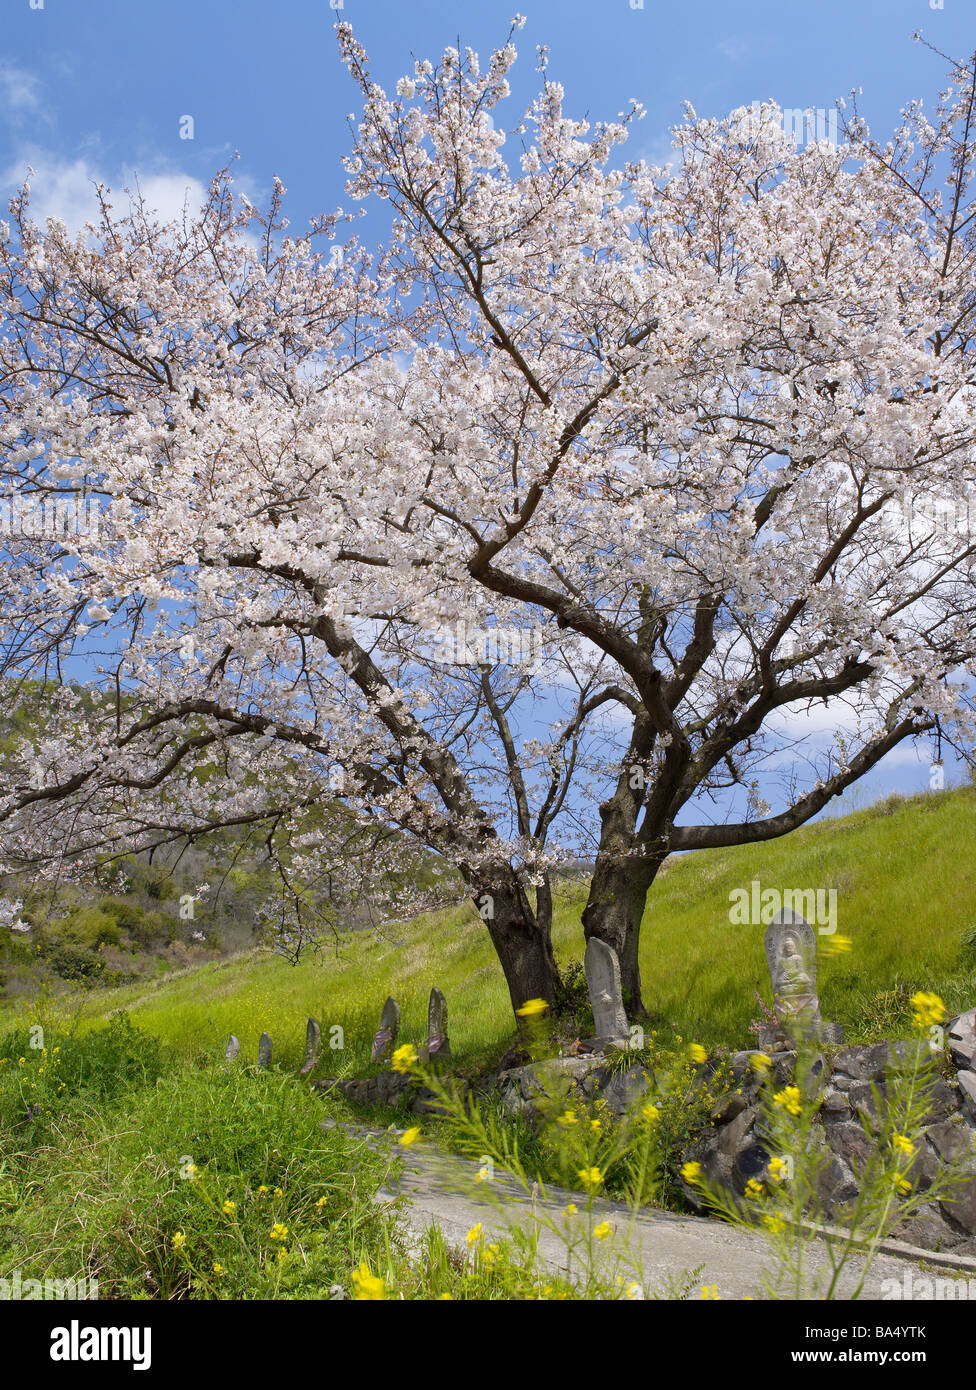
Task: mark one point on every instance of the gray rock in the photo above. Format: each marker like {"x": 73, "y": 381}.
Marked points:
{"x": 862, "y": 1063}
{"x": 732, "y": 1137}
{"x": 944, "y": 1100}
{"x": 929, "y": 1229}
{"x": 623, "y": 1088}
{"x": 951, "y": 1139}
{"x": 849, "y": 1141}
{"x": 836, "y": 1184}
{"x": 967, "y": 1085}
{"x": 962, "y": 1040}
{"x": 836, "y": 1102}
{"x": 960, "y": 1208}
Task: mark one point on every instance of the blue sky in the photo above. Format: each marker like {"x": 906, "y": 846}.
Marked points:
{"x": 100, "y": 89}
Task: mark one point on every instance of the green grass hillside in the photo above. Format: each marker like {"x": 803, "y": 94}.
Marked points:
{"x": 905, "y": 876}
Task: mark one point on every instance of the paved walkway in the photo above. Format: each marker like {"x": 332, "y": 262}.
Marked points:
{"x": 667, "y": 1247}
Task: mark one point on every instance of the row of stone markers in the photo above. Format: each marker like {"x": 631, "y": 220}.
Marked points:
{"x": 384, "y": 1040}
{"x": 791, "y": 952}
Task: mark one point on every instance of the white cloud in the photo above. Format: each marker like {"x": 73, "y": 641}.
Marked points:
{"x": 19, "y": 90}
{"x": 65, "y": 188}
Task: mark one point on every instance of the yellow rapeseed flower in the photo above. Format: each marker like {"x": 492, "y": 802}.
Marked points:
{"x": 404, "y": 1058}
{"x": 651, "y": 1113}
{"x": 774, "y": 1224}
{"x": 278, "y": 1231}
{"x": 691, "y": 1172}
{"x": 903, "y": 1144}
{"x": 321, "y": 1202}
{"x": 219, "y": 1268}
{"x": 697, "y": 1052}
{"x": 777, "y": 1169}
{"x": 278, "y": 1192}
{"x": 409, "y": 1136}
{"x": 754, "y": 1188}
{"x": 178, "y": 1241}
{"x": 928, "y": 1009}
{"x": 366, "y": 1285}
{"x": 229, "y": 1208}
{"x": 571, "y": 1208}
{"x": 475, "y": 1234}
{"x": 603, "y": 1230}
{"x": 790, "y": 1099}
{"x": 709, "y": 1291}
{"x": 489, "y": 1254}
{"x": 567, "y": 1118}
{"x": 591, "y": 1178}
{"x": 532, "y": 1008}
{"x": 262, "y": 1190}
{"x": 760, "y": 1062}
{"x": 837, "y": 945}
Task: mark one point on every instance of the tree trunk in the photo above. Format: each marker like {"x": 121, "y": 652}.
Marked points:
{"x": 522, "y": 941}
{"x": 613, "y": 913}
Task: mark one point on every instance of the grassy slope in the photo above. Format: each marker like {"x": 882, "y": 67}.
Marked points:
{"x": 905, "y": 875}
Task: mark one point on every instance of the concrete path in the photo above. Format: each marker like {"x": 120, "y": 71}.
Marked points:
{"x": 665, "y": 1247}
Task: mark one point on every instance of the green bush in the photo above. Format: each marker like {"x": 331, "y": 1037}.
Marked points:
{"x": 47, "y": 1073}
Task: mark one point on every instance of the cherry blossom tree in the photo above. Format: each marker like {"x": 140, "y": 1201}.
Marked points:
{"x": 537, "y": 533}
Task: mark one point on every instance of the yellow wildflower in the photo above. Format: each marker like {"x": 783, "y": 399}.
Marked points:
{"x": 691, "y": 1172}
{"x": 651, "y": 1113}
{"x": 278, "y": 1231}
{"x": 178, "y": 1241}
{"x": 229, "y": 1208}
{"x": 603, "y": 1230}
{"x": 404, "y": 1058}
{"x": 591, "y": 1178}
{"x": 754, "y": 1188}
{"x": 928, "y": 1009}
{"x": 532, "y": 1008}
{"x": 790, "y": 1099}
{"x": 366, "y": 1285}
{"x": 409, "y": 1136}
{"x": 709, "y": 1291}
{"x": 475, "y": 1234}
{"x": 777, "y": 1169}
{"x": 837, "y": 945}
{"x": 903, "y": 1144}
{"x": 697, "y": 1052}
{"x": 218, "y": 1268}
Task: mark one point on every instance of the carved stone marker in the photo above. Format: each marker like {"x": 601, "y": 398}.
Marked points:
{"x": 386, "y": 1036}
{"x": 437, "y": 1040}
{"x": 264, "y": 1051}
{"x": 606, "y": 996}
{"x": 233, "y": 1048}
{"x": 313, "y": 1046}
{"x": 791, "y": 952}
